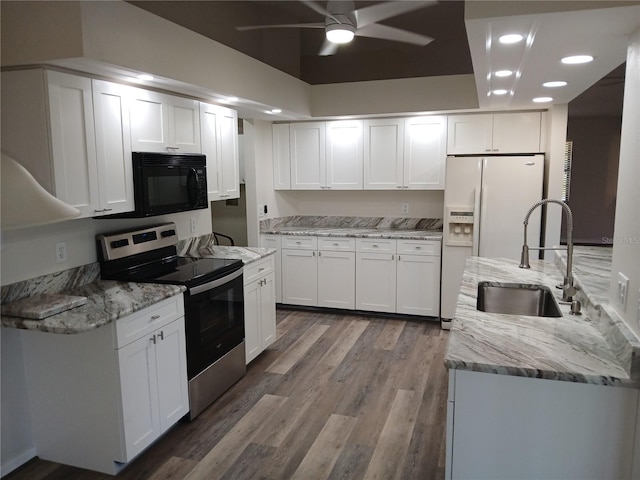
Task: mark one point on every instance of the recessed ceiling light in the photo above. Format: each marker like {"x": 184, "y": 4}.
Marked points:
{"x": 576, "y": 59}
{"x": 511, "y": 38}
{"x": 500, "y": 91}
{"x": 231, "y": 99}
{"x": 503, "y": 73}
{"x": 543, "y": 99}
{"x": 276, "y": 110}
{"x": 555, "y": 83}
{"x": 144, "y": 76}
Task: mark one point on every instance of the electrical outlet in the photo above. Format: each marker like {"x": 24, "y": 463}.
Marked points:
{"x": 61, "y": 252}
{"x": 405, "y": 208}
{"x": 194, "y": 224}
{"x": 621, "y": 292}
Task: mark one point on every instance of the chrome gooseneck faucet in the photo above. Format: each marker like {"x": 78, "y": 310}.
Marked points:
{"x": 568, "y": 290}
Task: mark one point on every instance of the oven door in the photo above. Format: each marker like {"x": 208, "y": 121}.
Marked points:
{"x": 214, "y": 319}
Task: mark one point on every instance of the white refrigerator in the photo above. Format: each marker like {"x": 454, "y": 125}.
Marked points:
{"x": 485, "y": 201}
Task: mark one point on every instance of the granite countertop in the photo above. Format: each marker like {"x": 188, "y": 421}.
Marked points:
{"x": 360, "y": 227}
{"x": 107, "y": 301}
{"x": 246, "y": 254}
{"x": 571, "y": 348}
{"x": 393, "y": 233}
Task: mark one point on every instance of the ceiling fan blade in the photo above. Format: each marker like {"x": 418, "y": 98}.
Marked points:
{"x": 374, "y": 13}
{"x": 322, "y": 11}
{"x": 375, "y": 30}
{"x": 286, "y": 25}
{"x": 328, "y": 48}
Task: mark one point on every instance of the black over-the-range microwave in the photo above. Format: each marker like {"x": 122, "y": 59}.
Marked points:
{"x": 167, "y": 183}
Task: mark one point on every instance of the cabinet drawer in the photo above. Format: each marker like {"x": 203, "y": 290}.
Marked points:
{"x": 342, "y": 244}
{"x": 270, "y": 241}
{"x": 258, "y": 269}
{"x": 375, "y": 245}
{"x": 418, "y": 247}
{"x": 300, "y": 242}
{"x": 143, "y": 322}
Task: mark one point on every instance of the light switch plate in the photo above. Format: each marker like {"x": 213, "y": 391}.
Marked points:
{"x": 61, "y": 252}
{"x": 622, "y": 291}
{"x": 194, "y": 224}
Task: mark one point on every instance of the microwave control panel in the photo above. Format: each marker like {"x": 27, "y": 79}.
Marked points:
{"x": 458, "y": 229}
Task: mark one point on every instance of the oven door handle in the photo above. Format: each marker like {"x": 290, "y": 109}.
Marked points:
{"x": 215, "y": 283}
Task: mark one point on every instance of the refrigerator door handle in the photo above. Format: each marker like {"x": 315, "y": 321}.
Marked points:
{"x": 477, "y": 194}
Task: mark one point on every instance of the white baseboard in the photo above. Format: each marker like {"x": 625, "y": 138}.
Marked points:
{"x": 10, "y": 465}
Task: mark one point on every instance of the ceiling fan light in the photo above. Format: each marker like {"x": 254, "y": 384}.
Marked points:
{"x": 340, "y": 33}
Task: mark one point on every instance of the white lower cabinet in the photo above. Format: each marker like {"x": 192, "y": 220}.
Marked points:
{"x": 336, "y": 273}
{"x": 274, "y": 241}
{"x": 259, "y": 306}
{"x": 379, "y": 275}
{"x": 98, "y": 399}
{"x": 506, "y": 427}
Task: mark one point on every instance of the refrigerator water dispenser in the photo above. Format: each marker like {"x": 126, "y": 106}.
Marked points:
{"x": 459, "y": 226}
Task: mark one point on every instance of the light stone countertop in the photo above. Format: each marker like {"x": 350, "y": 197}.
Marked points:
{"x": 392, "y": 233}
{"x": 107, "y": 301}
{"x": 570, "y": 348}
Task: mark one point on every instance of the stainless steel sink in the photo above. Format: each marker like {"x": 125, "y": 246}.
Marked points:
{"x": 517, "y": 299}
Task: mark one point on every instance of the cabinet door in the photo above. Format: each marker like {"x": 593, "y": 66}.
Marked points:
{"x": 73, "y": 141}
{"x": 252, "y": 332}
{"x": 149, "y": 122}
{"x": 517, "y": 132}
{"x": 139, "y": 386}
{"x": 273, "y": 241}
{"x": 281, "y": 157}
{"x": 299, "y": 277}
{"x": 344, "y": 155}
{"x": 307, "y": 146}
{"x": 228, "y": 159}
{"x": 171, "y": 362}
{"x": 418, "y": 287}
{"x": 467, "y": 134}
{"x": 210, "y": 147}
{"x": 376, "y": 282}
{"x": 336, "y": 279}
{"x": 268, "y": 311}
{"x": 425, "y": 153}
{"x": 184, "y": 124}
{"x": 113, "y": 147}
{"x": 383, "y": 153}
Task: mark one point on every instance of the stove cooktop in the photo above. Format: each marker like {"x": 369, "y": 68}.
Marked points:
{"x": 188, "y": 271}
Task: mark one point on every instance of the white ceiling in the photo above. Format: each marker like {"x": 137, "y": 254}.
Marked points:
{"x": 601, "y": 33}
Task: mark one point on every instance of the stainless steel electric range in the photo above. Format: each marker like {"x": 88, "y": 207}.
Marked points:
{"x": 214, "y": 302}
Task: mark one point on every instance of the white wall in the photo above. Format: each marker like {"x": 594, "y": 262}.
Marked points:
{"x": 626, "y": 244}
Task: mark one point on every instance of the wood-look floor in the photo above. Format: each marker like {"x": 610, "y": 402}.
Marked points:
{"x": 335, "y": 397}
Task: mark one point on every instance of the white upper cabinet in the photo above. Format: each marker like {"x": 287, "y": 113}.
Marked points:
{"x": 73, "y": 147}
{"x": 307, "y": 147}
{"x": 405, "y": 153}
{"x": 281, "y": 157}
{"x": 113, "y": 146}
{"x": 494, "y": 133}
{"x": 344, "y": 155}
{"x": 220, "y": 145}
{"x": 383, "y": 153}
{"x": 81, "y": 151}
{"x": 425, "y": 153}
{"x": 164, "y": 123}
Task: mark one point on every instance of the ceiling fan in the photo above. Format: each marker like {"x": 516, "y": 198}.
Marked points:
{"x": 342, "y": 22}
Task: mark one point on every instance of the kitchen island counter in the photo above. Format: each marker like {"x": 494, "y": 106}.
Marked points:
{"x": 570, "y": 348}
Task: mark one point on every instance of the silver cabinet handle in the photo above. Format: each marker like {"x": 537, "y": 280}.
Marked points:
{"x": 399, "y": 186}
{"x": 313, "y": 253}
{"x": 153, "y": 339}
{"x": 100, "y": 210}
{"x": 374, "y": 245}
{"x": 398, "y": 258}
{"x": 173, "y": 149}
{"x": 261, "y": 269}
{"x": 418, "y": 247}
{"x": 319, "y": 254}
{"x": 155, "y": 317}
{"x": 161, "y": 335}
{"x": 336, "y": 244}
{"x": 393, "y": 257}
